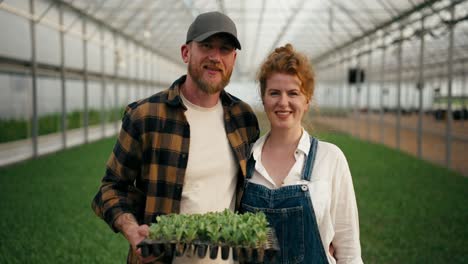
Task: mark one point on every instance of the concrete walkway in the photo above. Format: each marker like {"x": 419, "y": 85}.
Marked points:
{"x": 16, "y": 151}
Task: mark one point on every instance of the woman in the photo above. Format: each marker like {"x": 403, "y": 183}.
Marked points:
{"x": 303, "y": 185}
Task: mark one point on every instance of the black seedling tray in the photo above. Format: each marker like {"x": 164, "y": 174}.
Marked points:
{"x": 201, "y": 249}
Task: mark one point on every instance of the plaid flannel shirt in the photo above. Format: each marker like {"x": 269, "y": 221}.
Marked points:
{"x": 145, "y": 172}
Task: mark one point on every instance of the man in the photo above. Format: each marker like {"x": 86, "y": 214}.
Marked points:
{"x": 183, "y": 150}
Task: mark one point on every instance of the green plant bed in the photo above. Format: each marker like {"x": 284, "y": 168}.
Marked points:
{"x": 46, "y": 210}
{"x": 12, "y": 129}
{"x": 16, "y": 129}
{"x": 410, "y": 211}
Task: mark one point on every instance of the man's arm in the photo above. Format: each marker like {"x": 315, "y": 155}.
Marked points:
{"x": 125, "y": 223}
{"x": 117, "y": 194}
{"x": 117, "y": 200}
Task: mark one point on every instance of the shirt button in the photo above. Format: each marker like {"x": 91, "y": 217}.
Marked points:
{"x": 304, "y": 187}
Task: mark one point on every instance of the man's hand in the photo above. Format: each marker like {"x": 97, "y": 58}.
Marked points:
{"x": 134, "y": 233}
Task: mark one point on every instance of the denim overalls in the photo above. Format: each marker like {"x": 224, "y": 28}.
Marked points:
{"x": 290, "y": 212}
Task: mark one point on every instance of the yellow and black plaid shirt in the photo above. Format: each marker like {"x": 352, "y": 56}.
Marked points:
{"x": 145, "y": 172}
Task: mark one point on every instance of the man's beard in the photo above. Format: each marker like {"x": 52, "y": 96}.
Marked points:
{"x": 209, "y": 88}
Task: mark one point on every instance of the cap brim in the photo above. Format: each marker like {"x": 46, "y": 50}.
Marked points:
{"x": 208, "y": 34}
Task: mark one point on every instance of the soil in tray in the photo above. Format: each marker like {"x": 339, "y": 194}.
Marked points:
{"x": 202, "y": 249}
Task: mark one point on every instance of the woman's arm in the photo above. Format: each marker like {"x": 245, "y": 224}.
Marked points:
{"x": 346, "y": 242}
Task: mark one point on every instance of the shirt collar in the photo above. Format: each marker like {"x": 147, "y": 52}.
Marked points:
{"x": 304, "y": 142}
{"x": 256, "y": 150}
{"x": 303, "y": 146}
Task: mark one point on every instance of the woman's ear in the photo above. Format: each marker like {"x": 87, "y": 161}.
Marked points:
{"x": 308, "y": 105}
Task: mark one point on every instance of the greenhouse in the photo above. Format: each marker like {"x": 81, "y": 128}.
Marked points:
{"x": 390, "y": 91}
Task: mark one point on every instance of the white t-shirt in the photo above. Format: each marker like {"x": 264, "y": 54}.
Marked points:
{"x": 332, "y": 193}
{"x": 211, "y": 174}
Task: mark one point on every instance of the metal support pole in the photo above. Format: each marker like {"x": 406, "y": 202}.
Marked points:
{"x": 420, "y": 87}
{"x": 141, "y": 73}
{"x": 103, "y": 84}
{"x": 358, "y": 95}
{"x": 85, "y": 81}
{"x": 448, "y": 133}
{"x": 137, "y": 74}
{"x": 345, "y": 81}
{"x": 349, "y": 87}
{"x": 116, "y": 109}
{"x": 406, "y": 99}
{"x": 398, "y": 116}
{"x": 464, "y": 95}
{"x": 341, "y": 105}
{"x": 337, "y": 82}
{"x": 153, "y": 75}
{"x": 345, "y": 86}
{"x": 63, "y": 84}
{"x": 369, "y": 67}
{"x": 145, "y": 72}
{"x": 382, "y": 91}
{"x": 158, "y": 68}
{"x": 35, "y": 121}
{"x": 128, "y": 89}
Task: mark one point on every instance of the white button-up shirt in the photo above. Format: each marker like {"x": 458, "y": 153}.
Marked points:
{"x": 331, "y": 191}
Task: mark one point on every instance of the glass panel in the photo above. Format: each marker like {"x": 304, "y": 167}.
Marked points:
{"x": 94, "y": 52}
{"x": 49, "y": 105}
{"x": 16, "y": 37}
{"x": 15, "y": 116}
{"x": 109, "y": 53}
{"x": 133, "y": 93}
{"x": 109, "y": 108}
{"x": 131, "y": 60}
{"x": 48, "y": 39}
{"x": 123, "y": 97}
{"x": 75, "y": 103}
{"x": 73, "y": 52}
{"x": 73, "y": 41}
{"x": 94, "y": 110}
{"x": 48, "y": 45}
{"x": 20, "y": 4}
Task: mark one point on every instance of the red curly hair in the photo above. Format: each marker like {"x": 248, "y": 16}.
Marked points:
{"x": 288, "y": 61}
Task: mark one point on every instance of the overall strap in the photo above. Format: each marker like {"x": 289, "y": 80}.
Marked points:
{"x": 309, "y": 164}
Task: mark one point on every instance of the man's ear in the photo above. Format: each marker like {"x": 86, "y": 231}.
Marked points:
{"x": 184, "y": 52}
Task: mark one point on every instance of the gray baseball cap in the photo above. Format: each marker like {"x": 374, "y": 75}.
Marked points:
{"x": 207, "y": 24}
